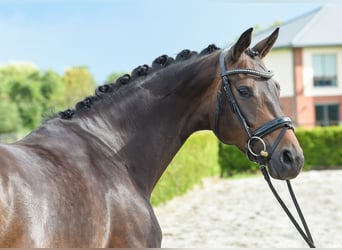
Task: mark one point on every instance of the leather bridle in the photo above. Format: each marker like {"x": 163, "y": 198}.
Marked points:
{"x": 253, "y": 136}
{"x": 257, "y": 135}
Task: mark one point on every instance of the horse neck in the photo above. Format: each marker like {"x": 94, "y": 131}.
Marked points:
{"x": 151, "y": 120}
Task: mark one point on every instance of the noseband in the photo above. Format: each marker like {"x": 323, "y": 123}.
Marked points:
{"x": 257, "y": 135}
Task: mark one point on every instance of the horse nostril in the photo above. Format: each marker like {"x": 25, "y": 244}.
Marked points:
{"x": 287, "y": 158}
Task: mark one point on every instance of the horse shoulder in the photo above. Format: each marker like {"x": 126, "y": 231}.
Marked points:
{"x": 79, "y": 205}
{"x": 42, "y": 195}
{"x": 131, "y": 218}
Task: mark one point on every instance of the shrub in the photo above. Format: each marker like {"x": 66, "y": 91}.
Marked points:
{"x": 322, "y": 147}
{"x": 232, "y": 161}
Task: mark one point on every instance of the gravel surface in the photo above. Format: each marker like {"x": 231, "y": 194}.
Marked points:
{"x": 244, "y": 213}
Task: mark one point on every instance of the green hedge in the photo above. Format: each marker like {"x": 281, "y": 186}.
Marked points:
{"x": 322, "y": 148}
{"x": 232, "y": 161}
{"x": 198, "y": 158}
{"x": 202, "y": 156}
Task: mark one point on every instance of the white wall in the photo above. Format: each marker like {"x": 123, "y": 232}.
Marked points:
{"x": 280, "y": 61}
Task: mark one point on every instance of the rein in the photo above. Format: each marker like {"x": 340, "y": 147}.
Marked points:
{"x": 257, "y": 136}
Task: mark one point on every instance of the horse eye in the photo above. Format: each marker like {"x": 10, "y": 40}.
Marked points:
{"x": 244, "y": 92}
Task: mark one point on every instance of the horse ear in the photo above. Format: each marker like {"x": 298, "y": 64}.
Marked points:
{"x": 242, "y": 44}
{"x": 264, "y": 46}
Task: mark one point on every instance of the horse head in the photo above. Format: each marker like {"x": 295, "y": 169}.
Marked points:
{"x": 257, "y": 124}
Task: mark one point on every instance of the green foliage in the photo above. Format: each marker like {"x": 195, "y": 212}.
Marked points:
{"x": 22, "y": 85}
{"x": 13, "y": 73}
{"x": 232, "y": 161}
{"x": 28, "y": 94}
{"x": 53, "y": 91}
{"x": 322, "y": 147}
{"x": 79, "y": 83}
{"x": 195, "y": 160}
{"x": 9, "y": 115}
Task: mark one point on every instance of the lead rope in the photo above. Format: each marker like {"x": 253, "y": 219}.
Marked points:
{"x": 262, "y": 159}
{"x": 306, "y": 235}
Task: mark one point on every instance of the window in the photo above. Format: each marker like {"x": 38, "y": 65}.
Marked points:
{"x": 324, "y": 68}
{"x": 327, "y": 114}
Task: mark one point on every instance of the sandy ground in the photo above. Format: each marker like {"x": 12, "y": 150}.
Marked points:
{"x": 244, "y": 213}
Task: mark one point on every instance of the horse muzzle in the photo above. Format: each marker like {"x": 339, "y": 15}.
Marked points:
{"x": 286, "y": 164}
{"x": 283, "y": 157}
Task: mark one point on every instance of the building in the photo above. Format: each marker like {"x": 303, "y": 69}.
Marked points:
{"x": 307, "y": 62}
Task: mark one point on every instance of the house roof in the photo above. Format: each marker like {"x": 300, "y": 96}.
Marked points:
{"x": 319, "y": 27}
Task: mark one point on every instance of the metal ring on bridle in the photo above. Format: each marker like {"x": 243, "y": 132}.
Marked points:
{"x": 249, "y": 146}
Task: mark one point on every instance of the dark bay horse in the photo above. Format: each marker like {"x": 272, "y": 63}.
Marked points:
{"x": 84, "y": 178}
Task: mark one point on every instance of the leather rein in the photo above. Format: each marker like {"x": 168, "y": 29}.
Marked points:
{"x": 257, "y": 135}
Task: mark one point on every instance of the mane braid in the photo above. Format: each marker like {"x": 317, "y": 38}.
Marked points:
{"x": 162, "y": 62}
{"x": 139, "y": 71}
{"x": 105, "y": 91}
{"x": 185, "y": 55}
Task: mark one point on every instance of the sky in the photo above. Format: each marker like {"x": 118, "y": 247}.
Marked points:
{"x": 117, "y": 35}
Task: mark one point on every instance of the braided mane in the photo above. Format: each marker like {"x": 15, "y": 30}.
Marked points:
{"x": 139, "y": 72}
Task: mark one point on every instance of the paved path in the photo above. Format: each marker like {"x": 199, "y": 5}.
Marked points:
{"x": 244, "y": 213}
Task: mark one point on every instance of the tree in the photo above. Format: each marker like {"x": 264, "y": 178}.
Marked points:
{"x": 26, "y": 94}
{"x": 78, "y": 83}
{"x": 16, "y": 72}
{"x": 53, "y": 92}
{"x": 20, "y": 86}
{"x": 10, "y": 120}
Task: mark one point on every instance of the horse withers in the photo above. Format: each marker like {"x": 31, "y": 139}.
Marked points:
{"x": 84, "y": 178}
